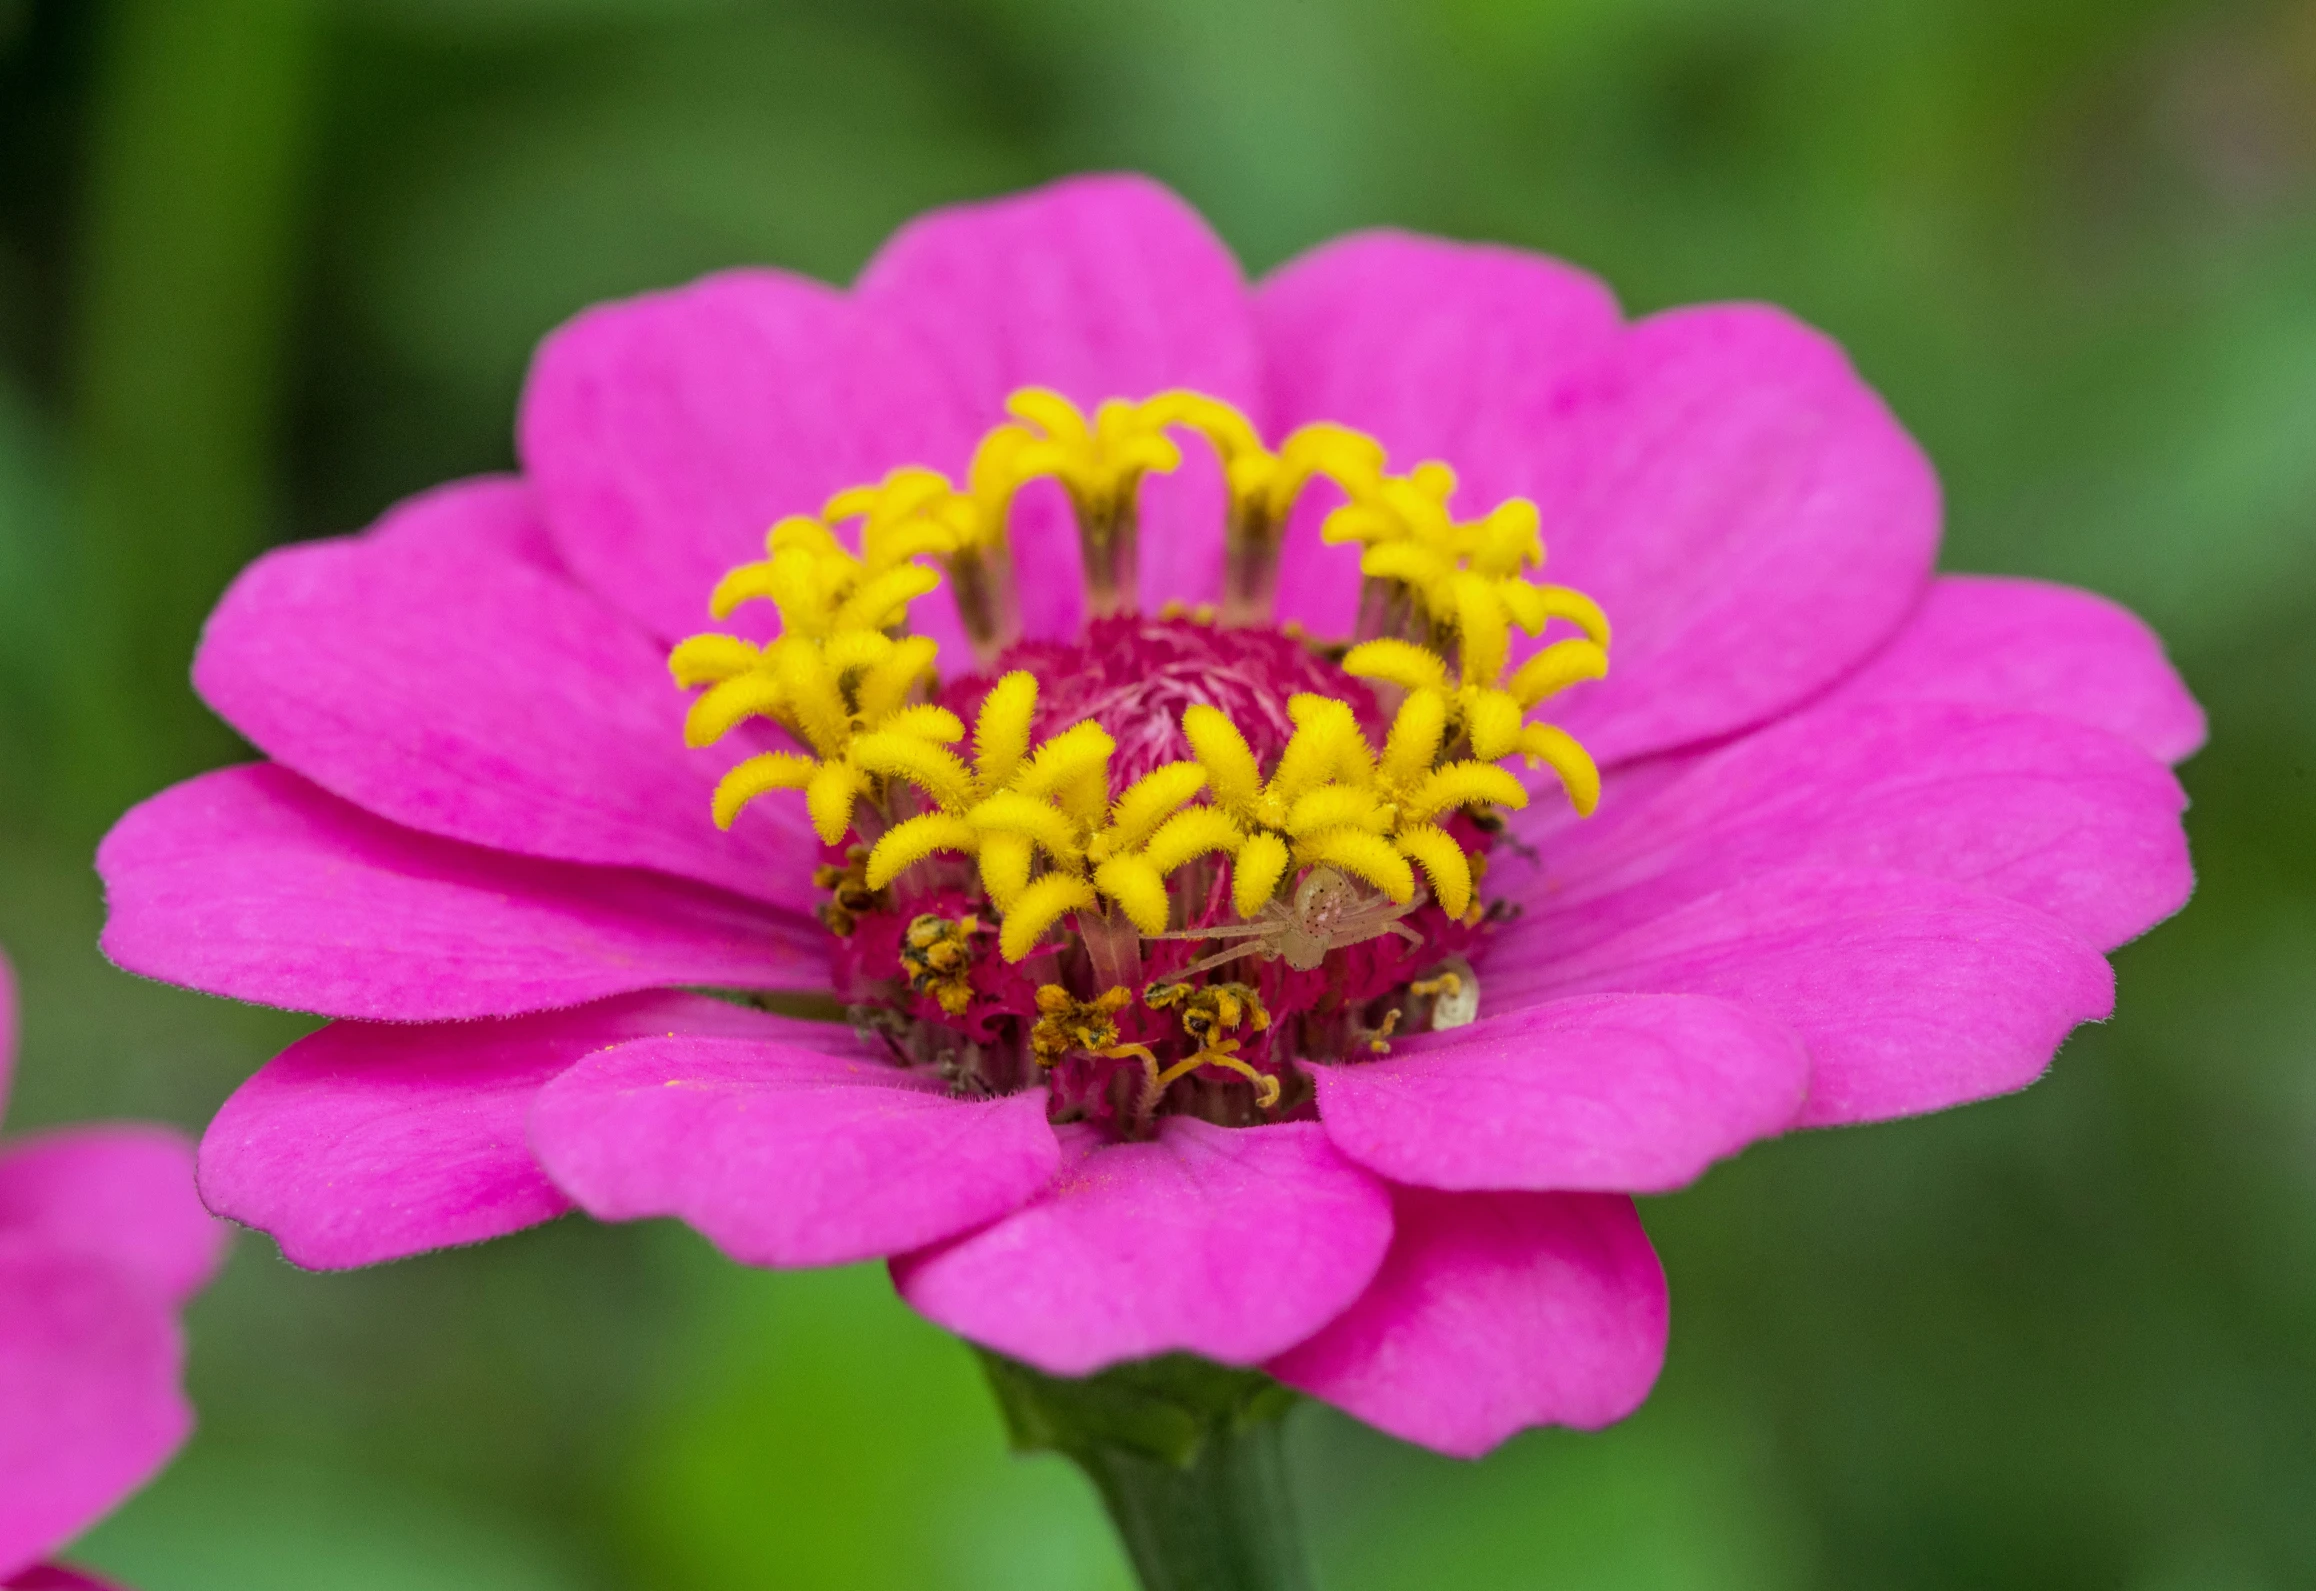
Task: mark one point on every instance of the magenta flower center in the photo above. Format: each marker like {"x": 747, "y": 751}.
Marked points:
{"x": 1167, "y": 865}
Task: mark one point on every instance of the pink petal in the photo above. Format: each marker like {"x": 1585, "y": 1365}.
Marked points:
{"x": 58, "y": 1577}
{"x": 2049, "y": 813}
{"x": 666, "y": 433}
{"x": 1442, "y": 350}
{"x": 810, "y": 1149}
{"x": 1748, "y": 511}
{"x": 89, "y": 1363}
{"x": 1912, "y": 993}
{"x": 371, "y": 1141}
{"x": 422, "y": 673}
{"x": 252, "y": 883}
{"x": 121, "y": 1194}
{"x": 493, "y": 519}
{"x": 2027, "y": 646}
{"x": 1615, "y": 1093}
{"x": 1099, "y": 287}
{"x": 1232, "y": 1243}
{"x": 1494, "y": 1312}
{"x": 1745, "y": 508}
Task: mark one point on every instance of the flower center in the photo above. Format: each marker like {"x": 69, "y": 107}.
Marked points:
{"x": 1135, "y": 675}
{"x": 1187, "y": 855}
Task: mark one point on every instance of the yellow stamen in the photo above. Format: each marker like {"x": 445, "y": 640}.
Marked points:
{"x": 1443, "y": 863}
{"x": 1363, "y": 855}
{"x": 893, "y": 754}
{"x": 774, "y": 770}
{"x": 1492, "y": 724}
{"x": 909, "y": 842}
{"x": 854, "y": 688}
{"x": 1400, "y": 663}
{"x": 1005, "y": 864}
{"x": 1255, "y": 873}
{"x": 1042, "y": 903}
{"x": 1465, "y": 784}
{"x": 1558, "y": 750}
{"x": 1231, "y": 771}
{"x": 1338, "y": 806}
{"x": 1101, "y": 467}
{"x": 1189, "y": 834}
{"x": 1263, "y": 487}
{"x": 708, "y": 659}
{"x": 756, "y": 694}
{"x": 1013, "y": 812}
{"x": 1001, "y": 732}
{"x": 1414, "y": 743}
{"x": 1139, "y": 890}
{"x": 1555, "y": 668}
{"x": 1150, "y": 801}
{"x": 828, "y": 799}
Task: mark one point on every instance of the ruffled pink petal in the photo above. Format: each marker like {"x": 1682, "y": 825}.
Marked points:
{"x": 422, "y": 673}
{"x": 1495, "y": 1312}
{"x": 2027, "y": 646}
{"x": 808, "y": 1149}
{"x": 1098, "y": 287}
{"x": 2068, "y": 819}
{"x": 1912, "y": 993}
{"x": 121, "y": 1194}
{"x": 90, "y": 1357}
{"x": 1442, "y": 350}
{"x": 1745, "y": 508}
{"x": 371, "y": 1141}
{"x": 1607, "y": 1093}
{"x": 1232, "y": 1243}
{"x": 250, "y": 882}
{"x": 666, "y": 433}
{"x": 58, "y": 1577}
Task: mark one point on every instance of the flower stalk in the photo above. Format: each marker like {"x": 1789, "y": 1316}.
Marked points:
{"x": 1187, "y": 1456}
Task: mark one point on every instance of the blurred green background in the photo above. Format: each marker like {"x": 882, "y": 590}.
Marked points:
{"x": 266, "y": 265}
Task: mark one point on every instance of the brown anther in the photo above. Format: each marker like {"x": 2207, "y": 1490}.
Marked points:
{"x": 937, "y": 956}
{"x": 1066, "y": 1024}
{"x": 848, "y": 893}
{"x": 1210, "y": 1011}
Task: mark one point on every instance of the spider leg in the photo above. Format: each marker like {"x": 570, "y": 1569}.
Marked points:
{"x": 1224, "y": 931}
{"x": 1216, "y": 960}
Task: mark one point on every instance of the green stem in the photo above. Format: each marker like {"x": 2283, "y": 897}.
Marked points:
{"x": 1187, "y": 1457}
{"x": 194, "y": 212}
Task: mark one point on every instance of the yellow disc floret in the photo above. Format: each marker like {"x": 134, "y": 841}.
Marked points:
{"x": 874, "y": 756}
{"x": 1056, "y": 808}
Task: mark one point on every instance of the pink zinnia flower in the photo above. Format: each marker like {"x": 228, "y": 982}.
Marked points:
{"x": 101, "y": 1243}
{"x": 1863, "y": 833}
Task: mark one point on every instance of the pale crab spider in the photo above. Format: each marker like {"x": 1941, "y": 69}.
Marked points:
{"x": 1328, "y": 912}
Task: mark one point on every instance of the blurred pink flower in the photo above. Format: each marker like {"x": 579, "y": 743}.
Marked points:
{"x": 101, "y": 1242}
{"x": 1865, "y": 834}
